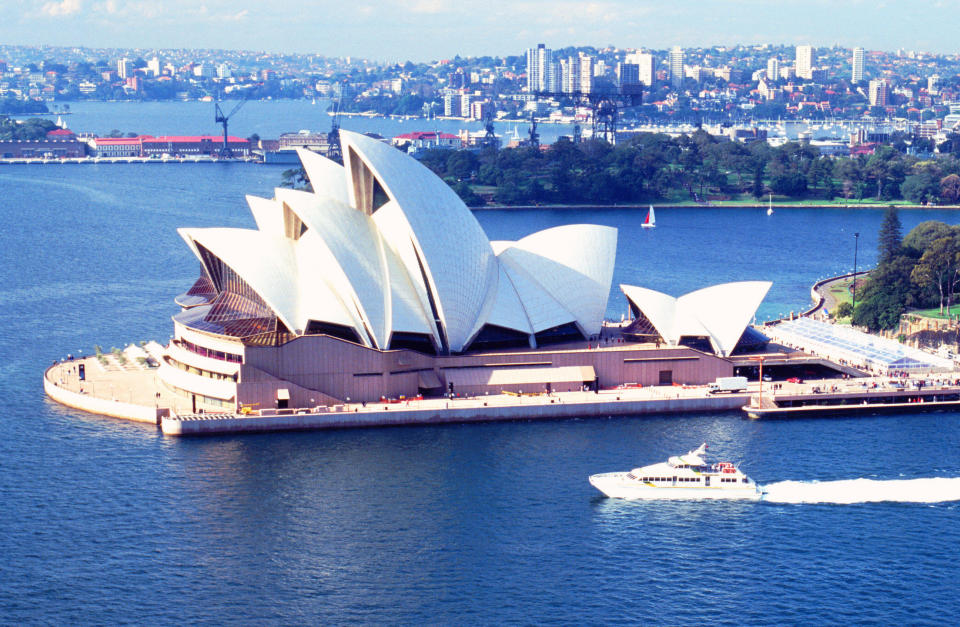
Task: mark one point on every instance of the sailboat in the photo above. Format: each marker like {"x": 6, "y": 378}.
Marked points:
{"x": 770, "y": 206}
{"x": 651, "y": 219}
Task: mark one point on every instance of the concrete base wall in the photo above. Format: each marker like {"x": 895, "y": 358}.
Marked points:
{"x": 473, "y": 412}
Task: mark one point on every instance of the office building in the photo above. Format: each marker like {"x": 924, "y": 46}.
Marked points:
{"x": 628, "y": 78}
{"x": 542, "y": 70}
{"x": 773, "y": 69}
{"x": 676, "y": 66}
{"x": 804, "y": 61}
{"x": 586, "y": 74}
{"x": 154, "y": 67}
{"x": 879, "y": 93}
{"x": 856, "y": 75}
{"x": 124, "y": 68}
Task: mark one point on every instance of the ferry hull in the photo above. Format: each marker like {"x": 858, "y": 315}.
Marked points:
{"x": 616, "y": 485}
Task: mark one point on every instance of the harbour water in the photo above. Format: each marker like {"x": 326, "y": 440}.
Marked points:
{"x": 105, "y": 521}
{"x": 267, "y": 118}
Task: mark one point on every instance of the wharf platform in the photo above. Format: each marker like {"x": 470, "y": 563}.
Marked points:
{"x": 865, "y": 397}
{"x": 133, "y": 392}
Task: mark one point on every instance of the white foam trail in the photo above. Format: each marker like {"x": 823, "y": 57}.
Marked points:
{"x": 934, "y": 490}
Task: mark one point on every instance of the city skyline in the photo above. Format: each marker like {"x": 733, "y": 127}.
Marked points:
{"x": 387, "y": 30}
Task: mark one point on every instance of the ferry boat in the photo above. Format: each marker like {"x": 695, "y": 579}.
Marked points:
{"x": 680, "y": 477}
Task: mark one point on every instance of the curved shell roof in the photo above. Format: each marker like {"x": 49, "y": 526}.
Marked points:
{"x": 719, "y": 312}
{"x": 383, "y": 246}
{"x": 453, "y": 253}
{"x": 574, "y": 264}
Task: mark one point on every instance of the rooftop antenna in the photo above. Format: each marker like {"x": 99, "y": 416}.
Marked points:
{"x": 220, "y": 118}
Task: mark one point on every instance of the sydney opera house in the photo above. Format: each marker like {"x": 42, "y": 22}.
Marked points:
{"x": 381, "y": 283}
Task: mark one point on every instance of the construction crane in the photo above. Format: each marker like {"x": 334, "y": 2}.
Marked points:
{"x": 534, "y": 135}
{"x": 490, "y": 137}
{"x": 220, "y": 118}
{"x": 333, "y": 136}
{"x": 604, "y": 107}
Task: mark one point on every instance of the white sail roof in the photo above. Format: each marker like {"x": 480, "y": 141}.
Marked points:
{"x": 271, "y": 274}
{"x": 451, "y": 249}
{"x": 574, "y": 264}
{"x": 383, "y": 246}
{"x": 720, "y": 312}
{"x": 327, "y": 178}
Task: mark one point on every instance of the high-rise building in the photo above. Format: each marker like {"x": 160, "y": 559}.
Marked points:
{"x": 676, "y": 66}
{"x": 533, "y": 68}
{"x": 773, "y": 69}
{"x": 879, "y": 93}
{"x": 646, "y": 62}
{"x": 857, "y": 75}
{"x": 153, "y": 66}
{"x": 542, "y": 71}
{"x": 204, "y": 70}
{"x": 804, "y": 61}
{"x": 586, "y": 74}
{"x": 451, "y": 104}
{"x": 628, "y": 78}
{"x": 645, "y": 66}
{"x": 124, "y": 68}
{"x": 933, "y": 83}
{"x": 569, "y": 75}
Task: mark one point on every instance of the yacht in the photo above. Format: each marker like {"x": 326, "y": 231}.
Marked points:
{"x": 680, "y": 477}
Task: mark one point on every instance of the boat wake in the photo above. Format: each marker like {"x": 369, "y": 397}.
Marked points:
{"x": 933, "y": 490}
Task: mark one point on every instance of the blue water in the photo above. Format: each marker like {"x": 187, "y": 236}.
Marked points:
{"x": 104, "y": 521}
{"x": 267, "y": 118}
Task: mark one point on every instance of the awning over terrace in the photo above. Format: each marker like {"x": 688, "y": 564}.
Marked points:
{"x": 859, "y": 349}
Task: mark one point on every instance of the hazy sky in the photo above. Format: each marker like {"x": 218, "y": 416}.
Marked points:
{"x": 437, "y": 29}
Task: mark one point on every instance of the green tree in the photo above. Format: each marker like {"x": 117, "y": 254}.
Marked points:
{"x": 295, "y": 178}
{"x": 851, "y": 173}
{"x": 843, "y": 310}
{"x": 950, "y": 189}
{"x": 462, "y": 164}
{"x": 921, "y": 187}
{"x": 467, "y": 195}
{"x": 890, "y": 239}
{"x": 938, "y": 268}
{"x": 921, "y": 236}
{"x": 886, "y": 295}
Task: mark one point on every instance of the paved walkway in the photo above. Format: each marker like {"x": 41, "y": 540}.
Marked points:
{"x": 127, "y": 383}
{"x": 132, "y": 383}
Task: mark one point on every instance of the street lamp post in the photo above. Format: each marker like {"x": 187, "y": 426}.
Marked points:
{"x": 856, "y": 242}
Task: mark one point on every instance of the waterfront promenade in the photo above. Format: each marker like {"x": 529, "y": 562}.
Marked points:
{"x": 134, "y": 392}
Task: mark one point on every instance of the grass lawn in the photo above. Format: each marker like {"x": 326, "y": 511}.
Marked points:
{"x": 840, "y": 291}
{"x": 935, "y": 312}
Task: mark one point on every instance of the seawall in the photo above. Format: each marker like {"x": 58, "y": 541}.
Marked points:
{"x": 457, "y": 411}
{"x": 102, "y": 406}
